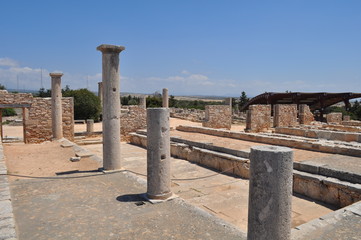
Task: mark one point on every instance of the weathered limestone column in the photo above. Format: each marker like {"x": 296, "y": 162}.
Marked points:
{"x": 270, "y": 193}
{"x": 100, "y": 92}
{"x": 111, "y": 106}
{"x": 228, "y": 101}
{"x": 56, "y": 107}
{"x": 143, "y": 102}
{"x": 165, "y": 98}
{"x": 90, "y": 126}
{"x": 158, "y": 154}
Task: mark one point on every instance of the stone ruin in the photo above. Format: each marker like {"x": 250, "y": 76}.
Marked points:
{"x": 305, "y": 114}
{"x": 258, "y": 118}
{"x": 334, "y": 118}
{"x": 132, "y": 118}
{"x": 285, "y": 115}
{"x": 218, "y": 116}
{"x": 37, "y": 121}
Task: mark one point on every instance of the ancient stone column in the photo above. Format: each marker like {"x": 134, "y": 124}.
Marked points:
{"x": 56, "y": 108}
{"x": 143, "y": 102}
{"x": 111, "y": 106}
{"x": 89, "y": 126}
{"x": 270, "y": 193}
{"x": 158, "y": 153}
{"x": 165, "y": 98}
{"x": 100, "y": 92}
{"x": 228, "y": 101}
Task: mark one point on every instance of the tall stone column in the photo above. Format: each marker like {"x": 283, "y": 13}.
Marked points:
{"x": 111, "y": 106}
{"x": 56, "y": 107}
{"x": 270, "y": 193}
{"x": 228, "y": 101}
{"x": 100, "y": 92}
{"x": 165, "y": 98}
{"x": 143, "y": 102}
{"x": 158, "y": 154}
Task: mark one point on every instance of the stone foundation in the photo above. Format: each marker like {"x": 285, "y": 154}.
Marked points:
{"x": 334, "y": 118}
{"x": 285, "y": 115}
{"x": 38, "y": 123}
{"x": 218, "y": 116}
{"x": 258, "y": 118}
{"x": 194, "y": 115}
{"x": 305, "y": 114}
{"x": 132, "y": 118}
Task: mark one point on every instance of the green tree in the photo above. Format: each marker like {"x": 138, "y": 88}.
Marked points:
{"x": 86, "y": 104}
{"x": 243, "y": 99}
{"x": 2, "y": 87}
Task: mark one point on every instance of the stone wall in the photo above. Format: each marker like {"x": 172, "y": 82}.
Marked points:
{"x": 132, "y": 118}
{"x": 218, "y": 116}
{"x": 258, "y": 118}
{"x": 285, "y": 115}
{"x": 15, "y": 98}
{"x": 352, "y": 123}
{"x": 334, "y": 117}
{"x": 194, "y": 115}
{"x": 38, "y": 120}
{"x": 305, "y": 114}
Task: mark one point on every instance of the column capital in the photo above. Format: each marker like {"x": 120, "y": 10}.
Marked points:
{"x": 55, "y": 74}
{"x": 106, "y": 48}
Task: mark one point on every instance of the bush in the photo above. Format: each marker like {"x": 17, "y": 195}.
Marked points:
{"x": 86, "y": 104}
{"x": 9, "y": 112}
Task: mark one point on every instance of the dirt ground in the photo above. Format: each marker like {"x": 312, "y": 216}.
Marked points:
{"x": 43, "y": 160}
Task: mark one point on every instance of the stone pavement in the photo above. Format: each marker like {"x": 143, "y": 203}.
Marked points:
{"x": 7, "y": 223}
{"x": 107, "y": 206}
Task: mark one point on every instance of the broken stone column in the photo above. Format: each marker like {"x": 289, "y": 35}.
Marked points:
{"x": 89, "y": 126}
{"x": 158, "y": 154}
{"x": 165, "y": 98}
{"x": 111, "y": 106}
{"x": 56, "y": 107}
{"x": 143, "y": 102}
{"x": 270, "y": 193}
{"x": 228, "y": 101}
{"x": 100, "y": 92}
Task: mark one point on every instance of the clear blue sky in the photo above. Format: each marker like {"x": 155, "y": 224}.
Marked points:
{"x": 189, "y": 46}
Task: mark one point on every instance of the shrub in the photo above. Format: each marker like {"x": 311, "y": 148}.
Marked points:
{"x": 86, "y": 104}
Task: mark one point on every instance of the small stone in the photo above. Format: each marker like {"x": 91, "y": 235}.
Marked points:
{"x": 75, "y": 159}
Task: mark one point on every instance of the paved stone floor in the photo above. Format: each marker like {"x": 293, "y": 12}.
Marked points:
{"x": 221, "y": 195}
{"x": 107, "y": 207}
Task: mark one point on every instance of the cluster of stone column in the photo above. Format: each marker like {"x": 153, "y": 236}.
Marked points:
{"x": 270, "y": 191}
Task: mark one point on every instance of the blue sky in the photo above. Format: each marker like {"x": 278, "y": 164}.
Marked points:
{"x": 190, "y": 46}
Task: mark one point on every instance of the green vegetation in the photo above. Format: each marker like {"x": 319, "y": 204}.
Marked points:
{"x": 354, "y": 112}
{"x": 86, "y": 103}
{"x": 7, "y": 111}
{"x": 243, "y": 99}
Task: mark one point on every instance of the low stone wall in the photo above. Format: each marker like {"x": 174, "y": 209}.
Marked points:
{"x": 320, "y": 134}
{"x": 285, "y": 115}
{"x": 194, "y": 115}
{"x": 258, "y": 118}
{"x": 15, "y": 98}
{"x": 305, "y": 114}
{"x": 352, "y": 123}
{"x": 38, "y": 125}
{"x": 218, "y": 116}
{"x": 132, "y": 118}
{"x": 311, "y": 144}
{"x": 334, "y": 117}
{"x": 325, "y": 189}
{"x": 342, "y": 128}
